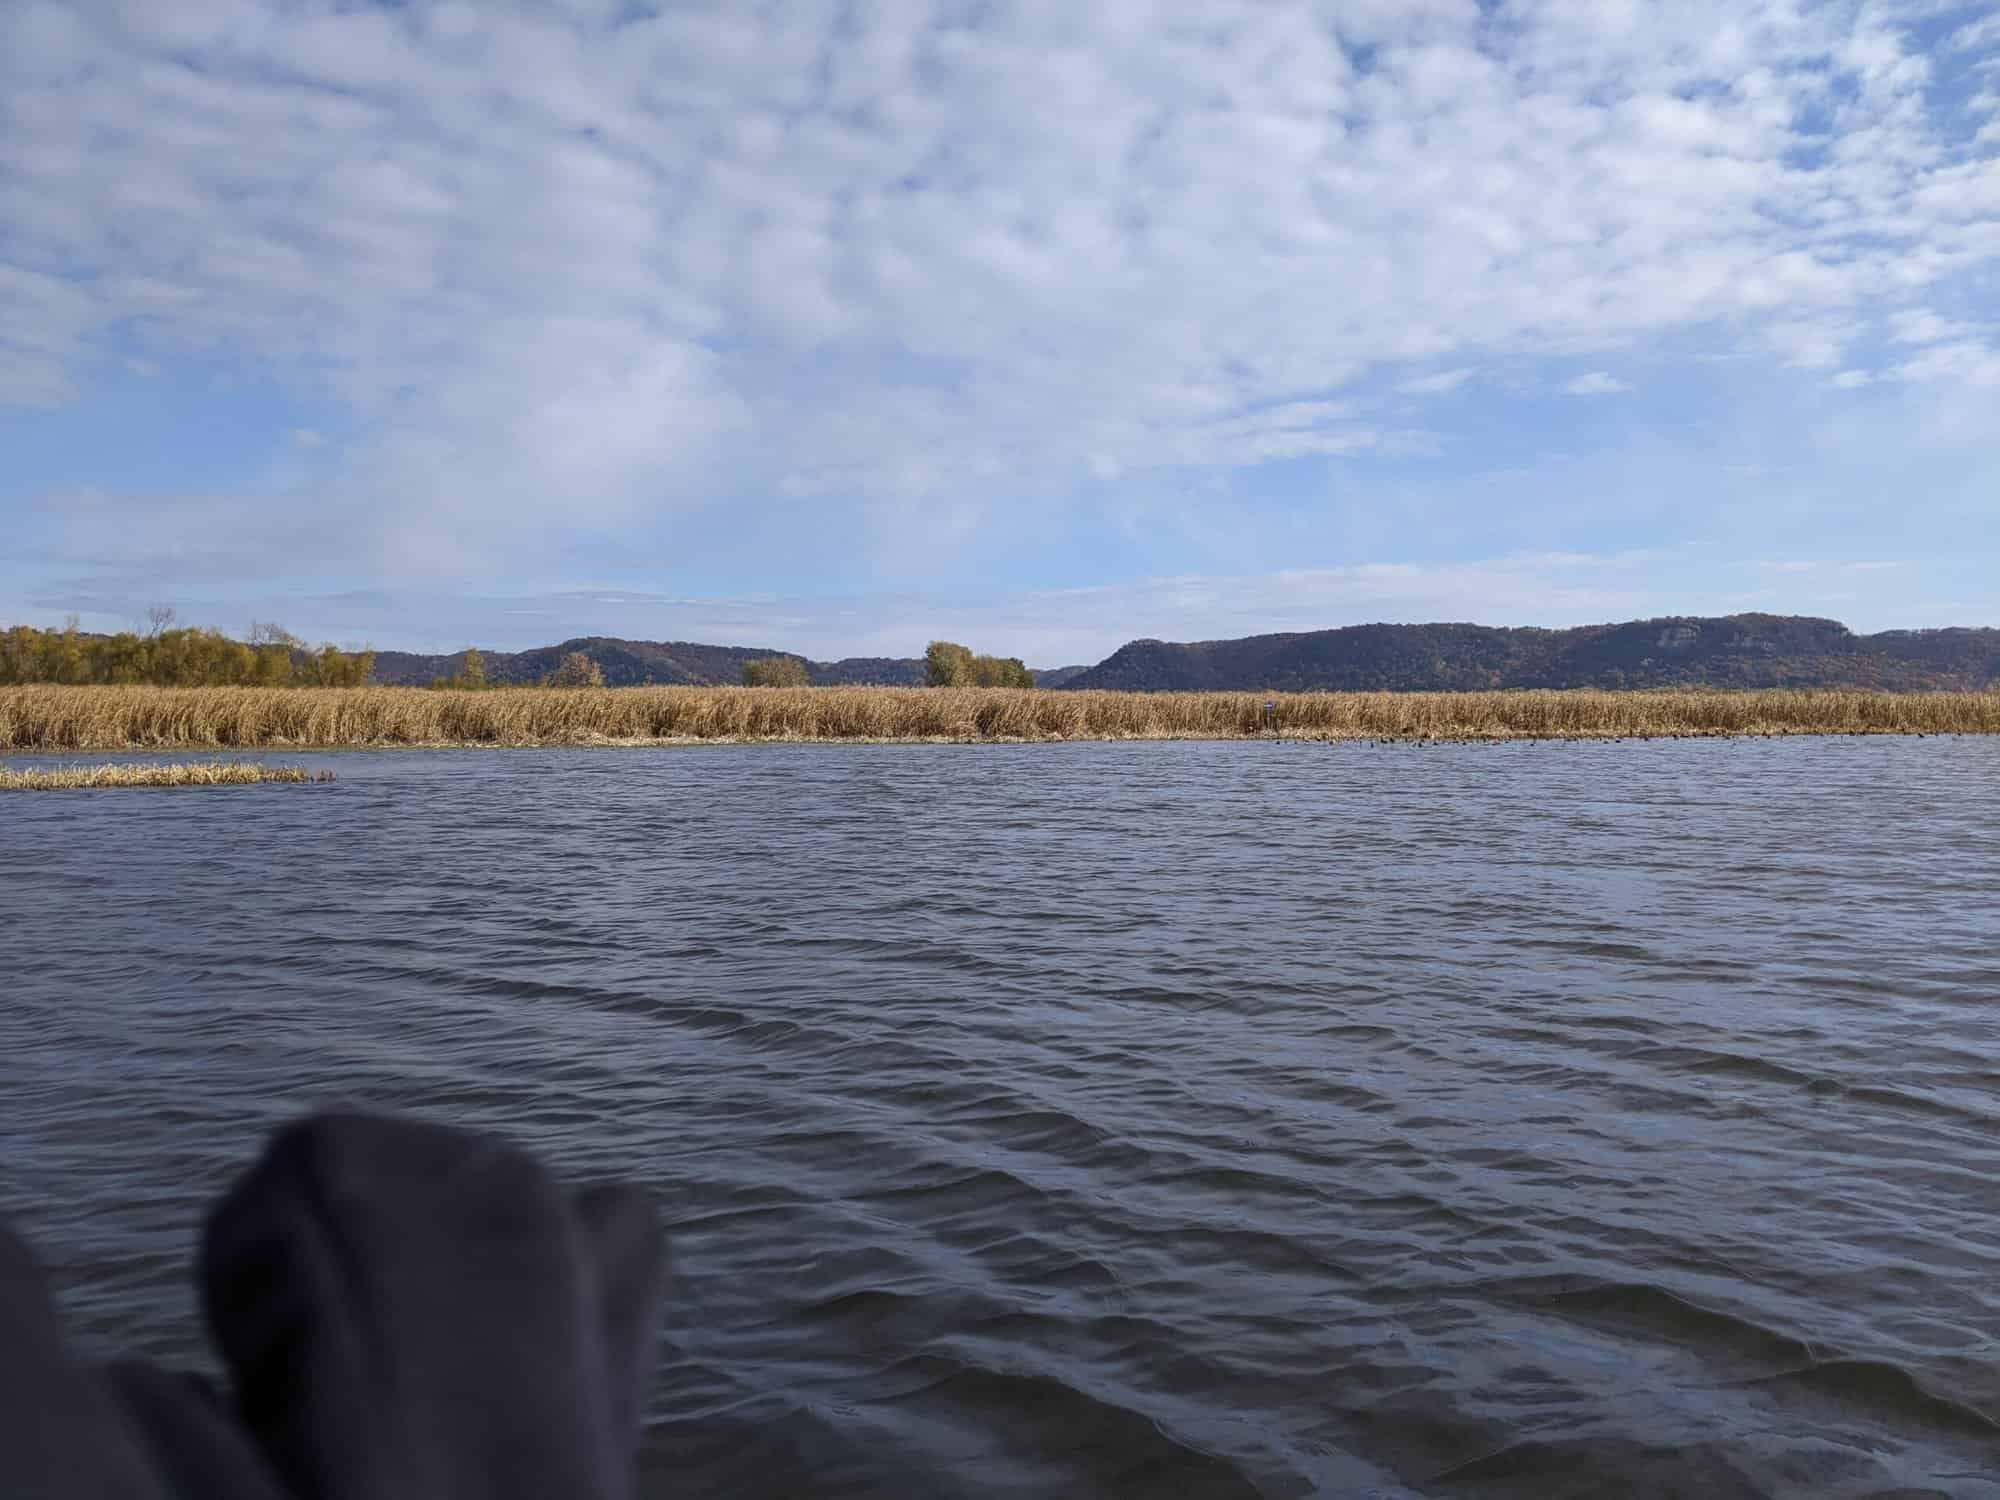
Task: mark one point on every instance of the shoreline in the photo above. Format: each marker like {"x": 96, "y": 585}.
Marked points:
{"x": 43, "y": 720}
{"x": 695, "y": 742}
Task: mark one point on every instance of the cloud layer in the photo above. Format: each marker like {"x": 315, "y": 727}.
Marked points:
{"x": 589, "y": 265}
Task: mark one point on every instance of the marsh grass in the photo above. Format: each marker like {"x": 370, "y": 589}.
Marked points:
{"x": 212, "y": 773}
{"x": 50, "y": 718}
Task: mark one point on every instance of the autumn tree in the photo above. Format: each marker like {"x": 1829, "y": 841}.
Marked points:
{"x": 1001, "y": 671}
{"x": 169, "y": 655}
{"x": 470, "y": 676}
{"x": 775, "y": 671}
{"x": 331, "y": 667}
{"x": 948, "y": 664}
{"x": 272, "y": 646}
{"x": 576, "y": 670}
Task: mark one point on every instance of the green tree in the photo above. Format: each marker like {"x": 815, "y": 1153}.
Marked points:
{"x": 120, "y": 659}
{"x": 1001, "y": 671}
{"x": 63, "y": 654}
{"x": 176, "y": 656}
{"x": 18, "y": 650}
{"x": 470, "y": 676}
{"x": 775, "y": 671}
{"x": 331, "y": 667}
{"x": 947, "y": 664}
{"x": 271, "y": 647}
{"x": 577, "y": 670}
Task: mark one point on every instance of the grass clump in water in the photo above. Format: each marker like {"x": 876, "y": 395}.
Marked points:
{"x": 211, "y": 773}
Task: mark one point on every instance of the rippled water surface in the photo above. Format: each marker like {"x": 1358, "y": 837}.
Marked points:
{"x": 1174, "y": 1119}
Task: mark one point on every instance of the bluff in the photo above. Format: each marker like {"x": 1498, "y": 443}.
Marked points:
{"x": 1732, "y": 651}
{"x": 629, "y": 663}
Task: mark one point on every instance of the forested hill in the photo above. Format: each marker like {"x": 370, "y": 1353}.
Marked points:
{"x": 1736, "y": 651}
{"x": 628, "y": 663}
{"x": 625, "y": 663}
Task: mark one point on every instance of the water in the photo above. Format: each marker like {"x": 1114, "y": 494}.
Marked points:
{"x": 1192, "y": 1120}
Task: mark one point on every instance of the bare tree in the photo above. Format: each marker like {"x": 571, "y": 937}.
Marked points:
{"x": 159, "y": 617}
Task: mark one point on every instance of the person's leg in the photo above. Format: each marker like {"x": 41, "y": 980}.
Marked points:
{"x": 415, "y": 1310}
{"x": 63, "y": 1435}
{"x": 192, "y": 1440}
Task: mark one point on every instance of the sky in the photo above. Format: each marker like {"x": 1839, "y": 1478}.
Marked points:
{"x": 838, "y": 325}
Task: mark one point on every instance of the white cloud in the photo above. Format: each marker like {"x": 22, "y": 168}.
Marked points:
{"x": 1811, "y": 344}
{"x": 1976, "y": 35}
{"x": 1965, "y": 360}
{"x": 1848, "y": 380}
{"x": 570, "y": 257}
{"x": 1439, "y": 384}
{"x": 1596, "y": 383}
{"x": 1919, "y": 325}
{"x": 306, "y": 437}
{"x": 1843, "y": 569}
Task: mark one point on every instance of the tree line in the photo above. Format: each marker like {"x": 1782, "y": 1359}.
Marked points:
{"x": 946, "y": 664}
{"x": 177, "y": 656}
{"x": 575, "y": 670}
{"x": 170, "y": 655}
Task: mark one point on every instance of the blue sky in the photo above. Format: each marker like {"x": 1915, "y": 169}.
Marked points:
{"x": 839, "y": 326}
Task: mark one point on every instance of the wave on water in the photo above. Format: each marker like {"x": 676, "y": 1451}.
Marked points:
{"x": 1215, "y": 1120}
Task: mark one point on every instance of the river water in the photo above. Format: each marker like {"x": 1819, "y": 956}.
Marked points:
{"x": 1193, "y": 1120}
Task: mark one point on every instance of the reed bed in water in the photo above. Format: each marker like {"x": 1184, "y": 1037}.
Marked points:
{"x": 77, "y": 778}
{"x": 46, "y": 718}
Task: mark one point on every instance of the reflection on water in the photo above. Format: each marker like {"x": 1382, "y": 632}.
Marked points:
{"x": 1198, "y": 1119}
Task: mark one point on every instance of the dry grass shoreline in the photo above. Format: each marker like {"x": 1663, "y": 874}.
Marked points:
{"x": 209, "y": 773}
{"x": 53, "y": 719}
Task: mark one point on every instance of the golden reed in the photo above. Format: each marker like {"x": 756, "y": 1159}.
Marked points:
{"x": 40, "y": 718}
{"x": 212, "y": 773}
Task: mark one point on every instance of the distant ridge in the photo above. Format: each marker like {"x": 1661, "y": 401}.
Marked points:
{"x": 1733, "y": 651}
{"x": 630, "y": 663}
{"x": 633, "y": 663}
